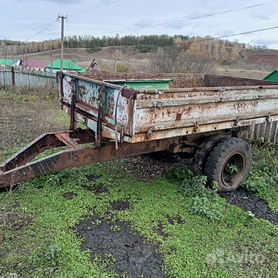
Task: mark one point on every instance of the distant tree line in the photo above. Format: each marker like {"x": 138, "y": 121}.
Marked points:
{"x": 90, "y": 41}
{"x": 220, "y": 50}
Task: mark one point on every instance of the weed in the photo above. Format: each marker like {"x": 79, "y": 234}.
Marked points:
{"x": 204, "y": 201}
{"x": 264, "y": 177}
{"x": 203, "y": 206}
{"x": 115, "y": 228}
{"x": 52, "y": 254}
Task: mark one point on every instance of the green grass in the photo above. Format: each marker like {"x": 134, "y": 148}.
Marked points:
{"x": 61, "y": 118}
{"x": 19, "y": 96}
{"x": 216, "y": 239}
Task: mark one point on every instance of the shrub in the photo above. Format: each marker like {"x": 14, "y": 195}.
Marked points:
{"x": 122, "y": 68}
{"x": 93, "y": 49}
{"x": 146, "y": 48}
{"x": 203, "y": 201}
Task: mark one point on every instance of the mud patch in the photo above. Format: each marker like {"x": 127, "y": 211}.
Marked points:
{"x": 160, "y": 230}
{"x": 177, "y": 219}
{"x": 174, "y": 220}
{"x": 252, "y": 203}
{"x": 14, "y": 220}
{"x": 120, "y": 205}
{"x": 69, "y": 195}
{"x": 133, "y": 257}
{"x": 148, "y": 167}
{"x": 93, "y": 177}
{"x": 99, "y": 189}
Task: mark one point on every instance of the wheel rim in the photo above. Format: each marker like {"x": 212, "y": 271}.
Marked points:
{"x": 233, "y": 169}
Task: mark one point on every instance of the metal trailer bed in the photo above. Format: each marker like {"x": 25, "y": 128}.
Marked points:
{"x": 123, "y": 122}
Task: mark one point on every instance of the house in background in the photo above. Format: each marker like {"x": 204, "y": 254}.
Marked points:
{"x": 35, "y": 65}
{"x": 272, "y": 77}
{"x": 69, "y": 65}
{"x": 8, "y": 63}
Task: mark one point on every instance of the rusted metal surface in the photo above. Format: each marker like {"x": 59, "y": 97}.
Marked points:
{"x": 175, "y": 108}
{"x": 217, "y": 81}
{"x": 152, "y": 121}
{"x": 99, "y": 105}
{"x": 17, "y": 169}
{"x": 45, "y": 142}
{"x": 180, "y": 80}
{"x": 152, "y": 115}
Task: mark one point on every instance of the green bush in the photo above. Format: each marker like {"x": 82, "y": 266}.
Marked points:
{"x": 93, "y": 49}
{"x": 206, "y": 207}
{"x": 145, "y": 48}
{"x": 203, "y": 201}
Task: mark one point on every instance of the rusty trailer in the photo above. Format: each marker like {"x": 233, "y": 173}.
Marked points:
{"x": 121, "y": 122}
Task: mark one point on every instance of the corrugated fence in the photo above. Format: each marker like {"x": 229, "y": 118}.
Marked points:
{"x": 266, "y": 132}
{"x": 28, "y": 79}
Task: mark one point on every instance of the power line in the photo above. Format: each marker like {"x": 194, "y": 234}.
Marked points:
{"x": 45, "y": 28}
{"x": 234, "y": 35}
{"x": 106, "y": 3}
{"x": 211, "y": 14}
{"x": 229, "y": 11}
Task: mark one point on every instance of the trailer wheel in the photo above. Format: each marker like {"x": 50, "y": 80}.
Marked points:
{"x": 229, "y": 164}
{"x": 203, "y": 151}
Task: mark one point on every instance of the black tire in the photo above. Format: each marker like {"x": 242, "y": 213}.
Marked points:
{"x": 229, "y": 164}
{"x": 203, "y": 151}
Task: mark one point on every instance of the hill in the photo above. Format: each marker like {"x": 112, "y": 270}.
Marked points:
{"x": 153, "y": 54}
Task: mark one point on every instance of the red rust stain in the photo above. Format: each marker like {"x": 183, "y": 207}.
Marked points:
{"x": 178, "y": 117}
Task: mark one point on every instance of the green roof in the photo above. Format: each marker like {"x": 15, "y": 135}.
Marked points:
{"x": 6, "y": 62}
{"x": 272, "y": 77}
{"x": 68, "y": 65}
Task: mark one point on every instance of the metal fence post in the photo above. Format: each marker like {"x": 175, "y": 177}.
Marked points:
{"x": 13, "y": 76}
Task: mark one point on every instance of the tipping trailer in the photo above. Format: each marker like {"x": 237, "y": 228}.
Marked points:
{"x": 122, "y": 122}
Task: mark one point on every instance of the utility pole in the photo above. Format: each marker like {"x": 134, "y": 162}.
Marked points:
{"x": 62, "y": 39}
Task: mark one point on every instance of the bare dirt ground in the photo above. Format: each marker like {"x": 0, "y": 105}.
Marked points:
{"x": 21, "y": 122}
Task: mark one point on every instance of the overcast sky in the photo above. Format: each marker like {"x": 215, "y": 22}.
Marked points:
{"x": 21, "y": 19}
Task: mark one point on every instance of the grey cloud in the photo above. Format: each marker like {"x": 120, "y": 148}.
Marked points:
{"x": 143, "y": 23}
{"x": 179, "y": 24}
{"x": 63, "y": 2}
{"x": 225, "y": 33}
{"x": 260, "y": 16}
